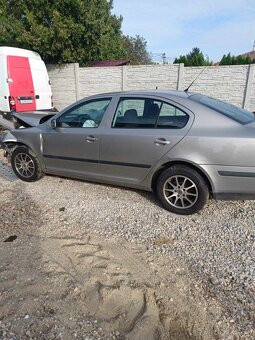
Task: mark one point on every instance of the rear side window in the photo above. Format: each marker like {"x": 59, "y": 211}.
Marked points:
{"x": 239, "y": 115}
{"x": 146, "y": 113}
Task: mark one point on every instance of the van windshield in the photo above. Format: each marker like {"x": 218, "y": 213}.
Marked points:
{"x": 239, "y": 115}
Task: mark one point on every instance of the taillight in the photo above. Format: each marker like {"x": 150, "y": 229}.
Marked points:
{"x": 12, "y": 103}
{"x": 51, "y": 101}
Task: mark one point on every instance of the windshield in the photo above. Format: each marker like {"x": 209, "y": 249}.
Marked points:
{"x": 231, "y": 111}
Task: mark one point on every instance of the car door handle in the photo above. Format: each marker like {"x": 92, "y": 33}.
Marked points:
{"x": 162, "y": 141}
{"x": 91, "y": 139}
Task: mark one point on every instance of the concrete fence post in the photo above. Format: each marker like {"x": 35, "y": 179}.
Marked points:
{"x": 248, "y": 88}
{"x": 180, "y": 77}
{"x": 123, "y": 78}
{"x": 77, "y": 81}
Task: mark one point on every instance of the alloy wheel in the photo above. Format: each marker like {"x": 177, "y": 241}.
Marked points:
{"x": 180, "y": 191}
{"x": 24, "y": 165}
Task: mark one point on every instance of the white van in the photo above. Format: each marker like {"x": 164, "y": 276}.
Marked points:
{"x": 24, "y": 81}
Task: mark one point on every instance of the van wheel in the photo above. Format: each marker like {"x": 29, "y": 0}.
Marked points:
{"x": 182, "y": 190}
{"x": 25, "y": 165}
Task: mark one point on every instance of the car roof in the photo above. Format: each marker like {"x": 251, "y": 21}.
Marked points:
{"x": 163, "y": 93}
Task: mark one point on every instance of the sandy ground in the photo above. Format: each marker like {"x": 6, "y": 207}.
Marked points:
{"x": 62, "y": 281}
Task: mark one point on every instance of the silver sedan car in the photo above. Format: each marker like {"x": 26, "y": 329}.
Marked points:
{"x": 184, "y": 146}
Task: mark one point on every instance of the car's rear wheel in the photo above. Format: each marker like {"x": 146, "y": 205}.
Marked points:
{"x": 182, "y": 190}
{"x": 26, "y": 165}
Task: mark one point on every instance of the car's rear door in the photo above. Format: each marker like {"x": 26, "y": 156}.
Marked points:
{"x": 138, "y": 134}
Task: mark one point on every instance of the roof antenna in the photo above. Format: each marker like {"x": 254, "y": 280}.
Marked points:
{"x": 187, "y": 89}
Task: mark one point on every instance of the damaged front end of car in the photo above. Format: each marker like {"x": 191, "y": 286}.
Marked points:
{"x": 24, "y": 120}
{"x": 8, "y": 142}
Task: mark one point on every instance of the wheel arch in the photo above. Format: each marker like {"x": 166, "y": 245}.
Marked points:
{"x": 167, "y": 165}
{"x": 10, "y": 146}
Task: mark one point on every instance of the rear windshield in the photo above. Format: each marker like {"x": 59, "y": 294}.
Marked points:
{"x": 231, "y": 111}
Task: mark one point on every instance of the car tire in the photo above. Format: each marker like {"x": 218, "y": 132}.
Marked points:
{"x": 182, "y": 190}
{"x": 26, "y": 165}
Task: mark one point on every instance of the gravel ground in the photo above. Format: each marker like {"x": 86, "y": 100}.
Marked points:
{"x": 217, "y": 244}
{"x": 215, "y": 247}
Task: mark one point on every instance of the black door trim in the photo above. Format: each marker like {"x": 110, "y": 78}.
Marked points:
{"x": 236, "y": 174}
{"x": 135, "y": 165}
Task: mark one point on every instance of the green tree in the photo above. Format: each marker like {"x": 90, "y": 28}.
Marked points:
{"x": 235, "y": 60}
{"x": 226, "y": 59}
{"x": 62, "y": 30}
{"x": 194, "y": 58}
{"x": 136, "y": 50}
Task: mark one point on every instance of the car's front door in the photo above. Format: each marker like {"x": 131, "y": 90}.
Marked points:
{"x": 72, "y": 147}
{"x": 141, "y": 132}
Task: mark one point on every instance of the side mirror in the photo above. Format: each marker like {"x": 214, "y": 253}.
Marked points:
{"x": 53, "y": 123}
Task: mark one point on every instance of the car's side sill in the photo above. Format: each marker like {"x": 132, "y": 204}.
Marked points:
{"x": 98, "y": 179}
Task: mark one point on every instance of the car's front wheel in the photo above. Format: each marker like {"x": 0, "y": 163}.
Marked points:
{"x": 26, "y": 165}
{"x": 182, "y": 190}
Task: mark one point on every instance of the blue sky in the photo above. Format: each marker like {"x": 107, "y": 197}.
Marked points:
{"x": 174, "y": 27}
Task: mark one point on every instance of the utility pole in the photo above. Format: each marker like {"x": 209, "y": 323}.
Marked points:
{"x": 164, "y": 58}
{"x": 159, "y": 56}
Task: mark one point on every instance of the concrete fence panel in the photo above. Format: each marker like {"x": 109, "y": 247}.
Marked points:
{"x": 94, "y": 80}
{"x": 149, "y": 77}
{"x": 64, "y": 84}
{"x": 226, "y": 83}
{"x": 234, "y": 84}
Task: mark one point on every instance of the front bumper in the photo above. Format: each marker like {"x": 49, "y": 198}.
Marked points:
{"x": 7, "y": 139}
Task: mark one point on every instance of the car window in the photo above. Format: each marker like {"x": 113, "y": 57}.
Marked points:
{"x": 148, "y": 113}
{"x": 171, "y": 117}
{"x": 239, "y": 115}
{"x": 84, "y": 115}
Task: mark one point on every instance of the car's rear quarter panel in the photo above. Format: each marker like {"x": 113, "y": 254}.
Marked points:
{"x": 222, "y": 149}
